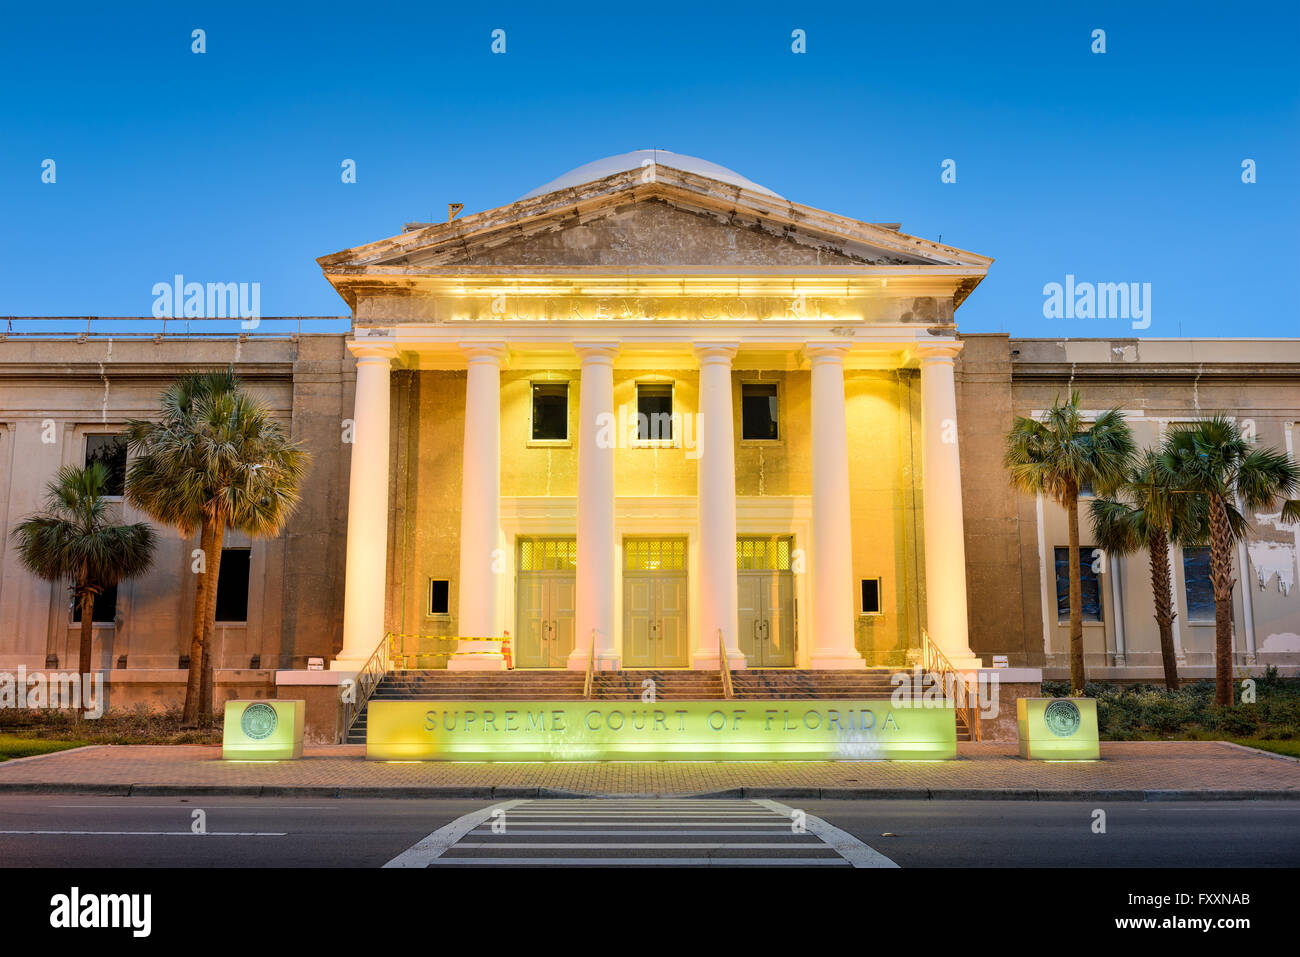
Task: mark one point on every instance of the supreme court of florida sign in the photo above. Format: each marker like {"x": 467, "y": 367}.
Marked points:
{"x": 717, "y": 730}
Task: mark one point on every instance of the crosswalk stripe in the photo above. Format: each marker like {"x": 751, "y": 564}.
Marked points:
{"x": 641, "y": 862}
{"x": 689, "y": 830}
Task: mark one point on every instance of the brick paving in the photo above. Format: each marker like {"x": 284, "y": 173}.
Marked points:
{"x": 1128, "y": 770}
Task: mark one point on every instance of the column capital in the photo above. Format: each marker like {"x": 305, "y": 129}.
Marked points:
{"x": 817, "y": 353}
{"x": 485, "y": 352}
{"x": 945, "y": 351}
{"x": 597, "y": 350}
{"x": 709, "y": 352}
{"x": 372, "y": 353}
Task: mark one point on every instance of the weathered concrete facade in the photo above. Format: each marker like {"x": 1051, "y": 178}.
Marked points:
{"x": 1011, "y": 537}
{"x": 53, "y": 394}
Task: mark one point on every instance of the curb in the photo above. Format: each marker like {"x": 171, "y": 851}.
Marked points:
{"x": 491, "y": 793}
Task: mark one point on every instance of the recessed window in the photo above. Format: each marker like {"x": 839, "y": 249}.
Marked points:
{"x": 1089, "y": 583}
{"x": 871, "y": 596}
{"x": 654, "y": 407}
{"x": 111, "y": 451}
{"x": 232, "y": 585}
{"x": 1197, "y": 585}
{"x": 439, "y": 589}
{"x": 550, "y": 411}
{"x": 105, "y": 610}
{"x": 758, "y": 412}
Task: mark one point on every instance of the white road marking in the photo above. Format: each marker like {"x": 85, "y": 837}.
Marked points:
{"x": 649, "y": 845}
{"x": 433, "y": 845}
{"x": 640, "y": 861}
{"x": 470, "y": 841}
{"x": 844, "y": 843}
{"x": 158, "y": 833}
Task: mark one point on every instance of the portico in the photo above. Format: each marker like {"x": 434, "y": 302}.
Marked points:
{"x": 650, "y": 457}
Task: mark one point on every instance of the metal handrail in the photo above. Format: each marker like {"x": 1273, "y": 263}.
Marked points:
{"x": 934, "y": 660}
{"x": 368, "y": 678}
{"x": 588, "y": 682}
{"x": 725, "y": 667}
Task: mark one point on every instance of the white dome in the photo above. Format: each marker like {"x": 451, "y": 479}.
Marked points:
{"x": 610, "y": 165}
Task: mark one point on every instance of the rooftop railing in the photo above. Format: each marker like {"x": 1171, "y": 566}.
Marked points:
{"x": 146, "y": 328}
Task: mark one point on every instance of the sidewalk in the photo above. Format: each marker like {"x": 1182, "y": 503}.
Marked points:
{"x": 1128, "y": 771}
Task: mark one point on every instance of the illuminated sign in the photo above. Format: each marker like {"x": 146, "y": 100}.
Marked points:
{"x": 1058, "y": 729}
{"x": 718, "y": 730}
{"x": 269, "y": 730}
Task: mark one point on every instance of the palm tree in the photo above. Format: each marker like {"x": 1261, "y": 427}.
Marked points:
{"x": 1150, "y": 513}
{"x": 1058, "y": 457}
{"x": 75, "y": 540}
{"x": 1212, "y": 458}
{"x": 215, "y": 460}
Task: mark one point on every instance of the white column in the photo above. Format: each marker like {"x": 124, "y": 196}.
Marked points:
{"x": 366, "y": 571}
{"x": 717, "y": 509}
{"x": 832, "y": 545}
{"x": 480, "y": 498}
{"x": 597, "y": 549}
{"x": 945, "y": 546}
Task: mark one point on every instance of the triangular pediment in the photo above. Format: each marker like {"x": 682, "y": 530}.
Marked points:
{"x": 659, "y": 217}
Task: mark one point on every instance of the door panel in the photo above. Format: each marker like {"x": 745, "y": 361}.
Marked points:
{"x": 671, "y": 637}
{"x": 563, "y": 599}
{"x": 778, "y": 632}
{"x": 638, "y": 621}
{"x": 530, "y": 643}
{"x": 750, "y": 594}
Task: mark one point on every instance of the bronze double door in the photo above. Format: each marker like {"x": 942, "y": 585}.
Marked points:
{"x": 655, "y": 621}
{"x": 545, "y": 600}
{"x": 765, "y": 601}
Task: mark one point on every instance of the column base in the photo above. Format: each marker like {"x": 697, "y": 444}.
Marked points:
{"x": 966, "y": 662}
{"x": 713, "y": 662}
{"x": 837, "y": 661}
{"x": 477, "y": 662}
{"x": 605, "y": 661}
{"x": 352, "y": 665}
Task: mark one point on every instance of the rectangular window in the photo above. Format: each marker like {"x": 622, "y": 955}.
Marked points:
{"x": 439, "y": 588}
{"x": 654, "y": 407}
{"x": 1089, "y": 585}
{"x": 758, "y": 412}
{"x": 105, "y": 610}
{"x": 1197, "y": 584}
{"x": 110, "y": 450}
{"x": 232, "y": 585}
{"x": 871, "y": 596}
{"x": 550, "y": 411}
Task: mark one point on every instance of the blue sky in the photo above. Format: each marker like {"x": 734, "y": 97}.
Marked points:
{"x": 1115, "y": 167}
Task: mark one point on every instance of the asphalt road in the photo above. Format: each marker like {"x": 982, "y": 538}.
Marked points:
{"x": 89, "y": 831}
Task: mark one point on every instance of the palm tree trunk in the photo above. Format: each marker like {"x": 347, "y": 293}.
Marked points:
{"x": 210, "y": 614}
{"x": 1078, "y": 677}
{"x": 1162, "y": 590}
{"x": 194, "y": 685}
{"x": 1221, "y": 578}
{"x": 87, "y": 639}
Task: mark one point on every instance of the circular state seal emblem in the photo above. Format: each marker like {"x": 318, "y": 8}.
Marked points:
{"x": 258, "y": 721}
{"x": 1061, "y": 717}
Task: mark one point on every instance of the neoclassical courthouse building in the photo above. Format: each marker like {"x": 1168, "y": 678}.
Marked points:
{"x": 649, "y": 405}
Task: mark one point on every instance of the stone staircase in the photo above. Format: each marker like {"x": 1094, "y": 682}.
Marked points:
{"x": 670, "y": 685}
